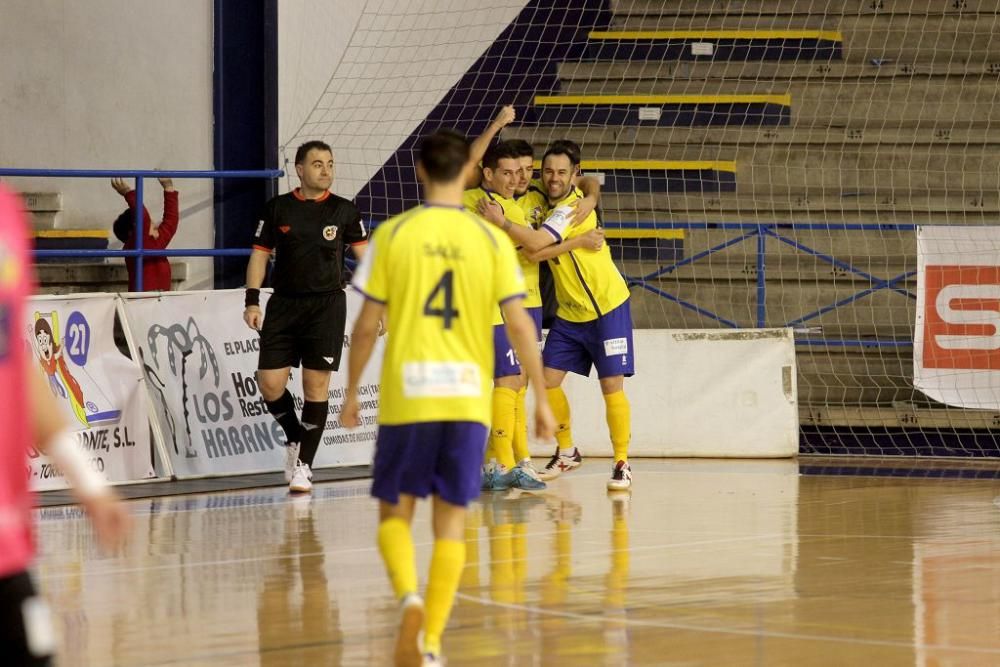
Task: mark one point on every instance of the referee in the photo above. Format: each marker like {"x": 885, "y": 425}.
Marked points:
{"x": 307, "y": 230}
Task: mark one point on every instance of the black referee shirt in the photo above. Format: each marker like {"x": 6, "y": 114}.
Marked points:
{"x": 308, "y": 237}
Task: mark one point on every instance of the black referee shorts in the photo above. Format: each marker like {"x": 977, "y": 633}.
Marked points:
{"x": 303, "y": 329}
{"x": 26, "y": 636}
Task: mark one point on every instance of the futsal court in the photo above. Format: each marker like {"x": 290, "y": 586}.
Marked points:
{"x": 809, "y": 562}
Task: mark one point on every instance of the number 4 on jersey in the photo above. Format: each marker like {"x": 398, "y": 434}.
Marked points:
{"x": 447, "y": 311}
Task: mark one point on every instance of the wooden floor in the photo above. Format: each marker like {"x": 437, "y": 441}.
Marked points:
{"x": 706, "y": 563}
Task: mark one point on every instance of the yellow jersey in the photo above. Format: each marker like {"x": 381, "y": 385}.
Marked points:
{"x": 535, "y": 205}
{"x": 513, "y": 211}
{"x": 440, "y": 273}
{"x": 588, "y": 284}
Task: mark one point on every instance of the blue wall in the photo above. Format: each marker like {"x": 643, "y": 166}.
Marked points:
{"x": 246, "y": 123}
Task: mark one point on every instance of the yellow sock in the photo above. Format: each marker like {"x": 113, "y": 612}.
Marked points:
{"x": 395, "y": 542}
{"x": 619, "y": 416}
{"x": 442, "y": 583}
{"x": 560, "y": 409}
{"x": 470, "y": 573}
{"x": 502, "y": 428}
{"x": 520, "y": 442}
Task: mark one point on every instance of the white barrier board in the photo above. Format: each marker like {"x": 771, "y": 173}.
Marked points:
{"x": 200, "y": 360}
{"x": 702, "y": 393}
{"x": 97, "y": 387}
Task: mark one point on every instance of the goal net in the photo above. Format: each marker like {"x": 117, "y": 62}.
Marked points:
{"x": 763, "y": 163}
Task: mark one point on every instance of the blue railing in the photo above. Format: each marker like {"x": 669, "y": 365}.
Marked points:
{"x": 762, "y": 232}
{"x": 139, "y": 253}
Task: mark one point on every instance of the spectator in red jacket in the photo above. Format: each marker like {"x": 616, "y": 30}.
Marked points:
{"x": 155, "y": 270}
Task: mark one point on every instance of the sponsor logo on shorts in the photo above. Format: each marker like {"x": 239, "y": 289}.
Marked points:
{"x": 615, "y": 346}
{"x": 330, "y": 232}
{"x": 260, "y": 228}
{"x": 441, "y": 379}
{"x": 328, "y": 360}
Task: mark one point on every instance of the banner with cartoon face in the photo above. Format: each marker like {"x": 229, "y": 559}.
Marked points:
{"x": 72, "y": 339}
{"x": 200, "y": 361}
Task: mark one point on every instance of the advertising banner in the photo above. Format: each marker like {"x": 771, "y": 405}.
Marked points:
{"x": 200, "y": 360}
{"x": 99, "y": 389}
{"x": 956, "y": 351}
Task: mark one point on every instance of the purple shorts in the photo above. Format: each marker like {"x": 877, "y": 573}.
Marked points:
{"x": 439, "y": 458}
{"x": 504, "y": 358}
{"x": 605, "y": 343}
{"x": 536, "y": 315}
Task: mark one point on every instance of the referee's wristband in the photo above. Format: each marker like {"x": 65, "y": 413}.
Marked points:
{"x": 252, "y": 297}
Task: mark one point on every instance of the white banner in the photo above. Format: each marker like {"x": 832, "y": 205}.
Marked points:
{"x": 699, "y": 393}
{"x": 956, "y": 350}
{"x": 99, "y": 389}
{"x": 200, "y": 360}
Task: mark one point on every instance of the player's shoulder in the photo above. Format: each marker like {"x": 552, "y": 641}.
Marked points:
{"x": 473, "y": 195}
{"x": 497, "y": 238}
{"x": 392, "y": 226}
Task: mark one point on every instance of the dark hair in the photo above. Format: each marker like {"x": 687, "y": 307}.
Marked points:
{"x": 123, "y": 224}
{"x": 521, "y": 147}
{"x": 497, "y": 152}
{"x": 303, "y": 151}
{"x": 443, "y": 155}
{"x": 564, "y": 147}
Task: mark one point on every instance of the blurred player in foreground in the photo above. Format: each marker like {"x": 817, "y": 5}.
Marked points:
{"x": 26, "y": 636}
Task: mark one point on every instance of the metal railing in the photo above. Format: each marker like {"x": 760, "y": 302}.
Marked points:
{"x": 762, "y": 232}
{"x": 140, "y": 253}
{"x": 759, "y": 231}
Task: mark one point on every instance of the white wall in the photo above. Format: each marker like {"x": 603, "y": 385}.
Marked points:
{"x": 119, "y": 84}
{"x": 111, "y": 84}
{"x": 362, "y": 74}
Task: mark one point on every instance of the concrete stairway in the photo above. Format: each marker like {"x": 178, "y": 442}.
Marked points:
{"x": 74, "y": 276}
{"x": 902, "y": 130}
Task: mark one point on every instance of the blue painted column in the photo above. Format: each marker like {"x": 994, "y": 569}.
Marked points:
{"x": 245, "y": 110}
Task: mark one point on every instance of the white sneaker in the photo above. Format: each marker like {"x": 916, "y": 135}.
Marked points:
{"x": 621, "y": 477}
{"x": 301, "y": 479}
{"x": 411, "y": 622}
{"x": 560, "y": 463}
{"x": 291, "y": 459}
{"x": 528, "y": 467}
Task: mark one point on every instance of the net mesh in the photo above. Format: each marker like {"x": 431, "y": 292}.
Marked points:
{"x": 762, "y": 163}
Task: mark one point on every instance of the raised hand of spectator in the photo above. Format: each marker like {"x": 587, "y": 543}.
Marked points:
{"x": 167, "y": 183}
{"x": 120, "y": 186}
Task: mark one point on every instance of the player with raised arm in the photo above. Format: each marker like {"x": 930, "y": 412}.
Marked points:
{"x": 501, "y": 470}
{"x": 593, "y": 324}
{"x": 437, "y": 272}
